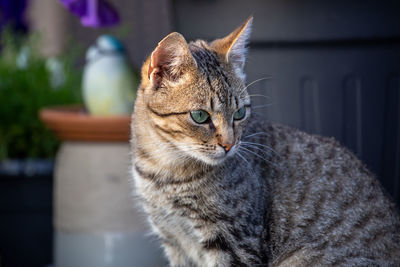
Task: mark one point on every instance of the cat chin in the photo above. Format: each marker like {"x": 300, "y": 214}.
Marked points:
{"x": 209, "y": 160}
{"x": 215, "y": 159}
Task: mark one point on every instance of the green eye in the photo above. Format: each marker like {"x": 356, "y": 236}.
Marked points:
{"x": 239, "y": 114}
{"x": 199, "y": 116}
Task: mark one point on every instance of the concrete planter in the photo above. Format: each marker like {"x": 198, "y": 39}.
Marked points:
{"x": 95, "y": 219}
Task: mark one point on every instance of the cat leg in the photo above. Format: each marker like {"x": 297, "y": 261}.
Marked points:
{"x": 296, "y": 258}
{"x": 176, "y": 256}
{"x": 217, "y": 259}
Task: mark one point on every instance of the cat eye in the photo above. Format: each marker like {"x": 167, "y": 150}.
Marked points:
{"x": 239, "y": 114}
{"x": 199, "y": 116}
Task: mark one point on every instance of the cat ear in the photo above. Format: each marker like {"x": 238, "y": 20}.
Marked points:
{"x": 170, "y": 59}
{"x": 233, "y": 46}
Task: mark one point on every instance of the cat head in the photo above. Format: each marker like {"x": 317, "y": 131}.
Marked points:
{"x": 192, "y": 102}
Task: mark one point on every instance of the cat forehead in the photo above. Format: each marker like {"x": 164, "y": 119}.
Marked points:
{"x": 208, "y": 61}
{"x": 219, "y": 76}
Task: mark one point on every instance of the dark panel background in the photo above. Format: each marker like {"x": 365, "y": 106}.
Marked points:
{"x": 334, "y": 68}
{"x": 26, "y": 236}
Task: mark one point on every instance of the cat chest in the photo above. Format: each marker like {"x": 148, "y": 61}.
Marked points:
{"x": 167, "y": 207}
{"x": 176, "y": 228}
{"x": 190, "y": 223}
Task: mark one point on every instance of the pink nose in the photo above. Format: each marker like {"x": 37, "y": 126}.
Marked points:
{"x": 226, "y": 147}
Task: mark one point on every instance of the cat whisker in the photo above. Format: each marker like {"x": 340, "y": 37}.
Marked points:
{"x": 242, "y": 157}
{"x": 261, "y": 145}
{"x": 262, "y": 106}
{"x": 265, "y": 96}
{"x": 246, "y": 151}
{"x": 248, "y": 163}
{"x": 247, "y": 144}
{"x": 253, "y": 82}
{"x": 258, "y": 148}
{"x": 257, "y": 155}
{"x": 263, "y": 151}
{"x": 254, "y": 134}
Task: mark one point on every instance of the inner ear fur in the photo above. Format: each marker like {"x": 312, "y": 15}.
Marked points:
{"x": 233, "y": 46}
{"x": 170, "y": 59}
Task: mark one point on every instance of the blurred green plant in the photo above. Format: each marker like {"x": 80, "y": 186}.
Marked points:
{"x": 29, "y": 82}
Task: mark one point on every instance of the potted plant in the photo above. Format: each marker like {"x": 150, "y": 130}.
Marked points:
{"x": 29, "y": 82}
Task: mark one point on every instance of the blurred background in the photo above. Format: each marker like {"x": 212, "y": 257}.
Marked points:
{"x": 333, "y": 69}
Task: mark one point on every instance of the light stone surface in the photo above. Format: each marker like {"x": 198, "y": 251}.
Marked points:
{"x": 106, "y": 250}
{"x": 92, "y": 189}
{"x": 97, "y": 221}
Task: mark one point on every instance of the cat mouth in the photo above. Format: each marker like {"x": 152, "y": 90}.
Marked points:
{"x": 215, "y": 157}
{"x": 222, "y": 155}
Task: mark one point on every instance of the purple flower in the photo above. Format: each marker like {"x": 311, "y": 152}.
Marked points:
{"x": 93, "y": 13}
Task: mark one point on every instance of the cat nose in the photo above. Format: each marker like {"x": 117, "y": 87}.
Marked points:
{"x": 227, "y": 147}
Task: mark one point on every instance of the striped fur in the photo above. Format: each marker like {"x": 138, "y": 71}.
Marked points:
{"x": 279, "y": 197}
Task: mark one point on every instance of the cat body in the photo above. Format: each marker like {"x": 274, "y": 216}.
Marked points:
{"x": 223, "y": 188}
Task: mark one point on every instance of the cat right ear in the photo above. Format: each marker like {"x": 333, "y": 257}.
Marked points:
{"x": 233, "y": 46}
{"x": 170, "y": 60}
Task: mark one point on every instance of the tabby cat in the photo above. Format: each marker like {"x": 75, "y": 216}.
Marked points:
{"x": 223, "y": 188}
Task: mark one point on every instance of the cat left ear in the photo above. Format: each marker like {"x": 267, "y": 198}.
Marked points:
{"x": 170, "y": 60}
{"x": 233, "y": 46}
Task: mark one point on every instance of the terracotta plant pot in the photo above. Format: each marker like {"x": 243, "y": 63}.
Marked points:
{"x": 72, "y": 123}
